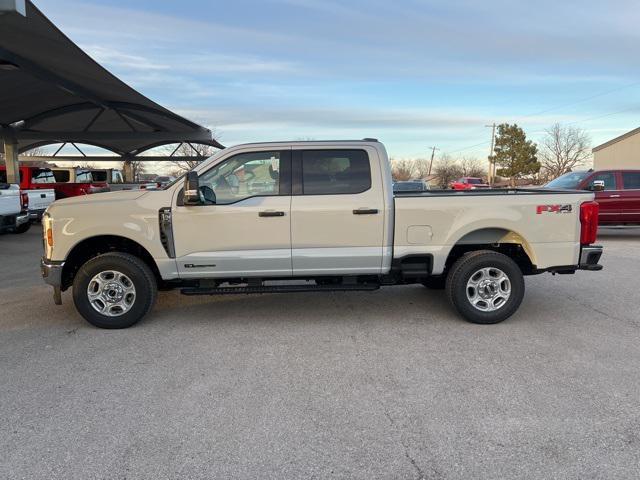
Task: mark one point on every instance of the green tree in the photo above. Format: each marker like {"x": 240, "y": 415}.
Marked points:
{"x": 514, "y": 154}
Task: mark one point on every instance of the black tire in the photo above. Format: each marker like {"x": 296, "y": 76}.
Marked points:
{"x": 467, "y": 266}
{"x": 139, "y": 274}
{"x": 435, "y": 283}
{"x": 22, "y": 228}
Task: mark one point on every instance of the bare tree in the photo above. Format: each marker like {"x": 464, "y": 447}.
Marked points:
{"x": 472, "y": 167}
{"x": 563, "y": 149}
{"x": 447, "y": 170}
{"x": 35, "y": 152}
{"x": 421, "y": 168}
{"x": 402, "y": 170}
{"x": 201, "y": 152}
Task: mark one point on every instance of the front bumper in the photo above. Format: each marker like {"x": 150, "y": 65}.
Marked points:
{"x": 52, "y": 275}
{"x": 589, "y": 258}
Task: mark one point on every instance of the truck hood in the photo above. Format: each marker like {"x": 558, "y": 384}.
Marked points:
{"x": 102, "y": 198}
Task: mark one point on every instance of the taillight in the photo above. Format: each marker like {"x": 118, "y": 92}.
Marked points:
{"x": 589, "y": 222}
{"x": 24, "y": 198}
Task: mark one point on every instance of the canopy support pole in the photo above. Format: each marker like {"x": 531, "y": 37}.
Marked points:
{"x": 127, "y": 169}
{"x": 11, "y": 160}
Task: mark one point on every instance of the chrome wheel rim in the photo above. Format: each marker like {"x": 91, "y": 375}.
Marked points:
{"x": 488, "y": 289}
{"x": 111, "y": 293}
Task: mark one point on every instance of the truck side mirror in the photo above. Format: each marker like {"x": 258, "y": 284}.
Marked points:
{"x": 598, "y": 186}
{"x": 191, "y": 189}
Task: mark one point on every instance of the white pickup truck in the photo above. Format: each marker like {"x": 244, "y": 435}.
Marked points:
{"x": 14, "y": 214}
{"x": 310, "y": 216}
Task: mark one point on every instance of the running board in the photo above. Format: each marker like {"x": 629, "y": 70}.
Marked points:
{"x": 278, "y": 289}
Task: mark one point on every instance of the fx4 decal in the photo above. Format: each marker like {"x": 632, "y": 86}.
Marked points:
{"x": 540, "y": 209}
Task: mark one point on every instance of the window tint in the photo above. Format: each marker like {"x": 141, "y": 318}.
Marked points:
{"x": 83, "y": 176}
{"x": 335, "y": 172}
{"x": 243, "y": 176}
{"x": 3, "y": 176}
{"x": 61, "y": 176}
{"x": 43, "y": 176}
{"x": 631, "y": 180}
{"x": 99, "y": 175}
{"x": 609, "y": 179}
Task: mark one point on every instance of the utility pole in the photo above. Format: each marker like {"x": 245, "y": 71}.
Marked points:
{"x": 491, "y": 174}
{"x": 433, "y": 154}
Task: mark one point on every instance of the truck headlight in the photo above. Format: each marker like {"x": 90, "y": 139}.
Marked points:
{"x": 47, "y": 230}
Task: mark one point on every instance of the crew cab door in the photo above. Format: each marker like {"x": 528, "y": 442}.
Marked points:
{"x": 337, "y": 211}
{"x": 609, "y": 199}
{"x": 244, "y": 227}
{"x": 631, "y": 196}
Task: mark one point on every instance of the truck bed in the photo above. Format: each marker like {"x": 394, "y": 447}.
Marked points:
{"x": 545, "y": 222}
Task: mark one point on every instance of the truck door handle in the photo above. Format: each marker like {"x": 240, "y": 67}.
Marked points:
{"x": 365, "y": 211}
{"x": 614, "y": 196}
{"x": 270, "y": 213}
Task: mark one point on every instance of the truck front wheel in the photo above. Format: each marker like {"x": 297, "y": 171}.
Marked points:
{"x": 485, "y": 286}
{"x": 114, "y": 290}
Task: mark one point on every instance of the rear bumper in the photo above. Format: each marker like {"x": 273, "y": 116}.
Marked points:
{"x": 22, "y": 218}
{"x": 10, "y": 222}
{"x": 589, "y": 258}
{"x": 36, "y": 214}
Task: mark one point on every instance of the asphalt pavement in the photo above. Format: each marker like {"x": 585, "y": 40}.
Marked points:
{"x": 386, "y": 384}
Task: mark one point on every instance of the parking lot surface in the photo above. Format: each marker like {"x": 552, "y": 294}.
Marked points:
{"x": 389, "y": 384}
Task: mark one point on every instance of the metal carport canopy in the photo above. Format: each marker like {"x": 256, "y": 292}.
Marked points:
{"x": 51, "y": 92}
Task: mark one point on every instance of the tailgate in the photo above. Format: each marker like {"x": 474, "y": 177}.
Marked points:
{"x": 40, "y": 199}
{"x": 9, "y": 201}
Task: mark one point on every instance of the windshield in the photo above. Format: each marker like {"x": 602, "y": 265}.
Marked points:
{"x": 569, "y": 180}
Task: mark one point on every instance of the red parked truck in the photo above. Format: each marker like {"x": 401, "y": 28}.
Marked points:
{"x": 74, "y": 181}
{"x": 468, "y": 183}
{"x": 620, "y": 199}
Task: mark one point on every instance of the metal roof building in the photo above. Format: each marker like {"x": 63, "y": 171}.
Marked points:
{"x": 620, "y": 152}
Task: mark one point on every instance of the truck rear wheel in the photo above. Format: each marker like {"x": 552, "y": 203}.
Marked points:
{"x": 24, "y": 228}
{"x": 114, "y": 290}
{"x": 485, "y": 287}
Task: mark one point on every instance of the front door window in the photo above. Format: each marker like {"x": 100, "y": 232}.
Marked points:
{"x": 243, "y": 176}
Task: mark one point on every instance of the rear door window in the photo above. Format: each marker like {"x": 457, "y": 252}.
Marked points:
{"x": 83, "y": 176}
{"x": 631, "y": 180}
{"x": 61, "y": 176}
{"x": 99, "y": 175}
{"x": 335, "y": 172}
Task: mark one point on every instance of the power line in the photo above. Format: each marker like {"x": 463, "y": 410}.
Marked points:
{"x": 602, "y": 116}
{"x": 563, "y": 106}
{"x": 601, "y": 94}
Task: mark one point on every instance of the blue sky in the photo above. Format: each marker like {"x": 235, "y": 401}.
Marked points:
{"x": 412, "y": 73}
